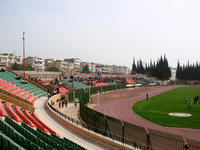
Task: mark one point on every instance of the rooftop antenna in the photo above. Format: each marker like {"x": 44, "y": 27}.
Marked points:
{"x": 23, "y": 38}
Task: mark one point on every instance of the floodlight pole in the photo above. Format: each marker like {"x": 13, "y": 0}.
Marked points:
{"x": 23, "y": 38}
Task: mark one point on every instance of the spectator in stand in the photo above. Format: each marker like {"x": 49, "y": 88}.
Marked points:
{"x": 59, "y": 104}
{"x": 63, "y": 103}
{"x": 66, "y": 101}
{"x": 57, "y": 90}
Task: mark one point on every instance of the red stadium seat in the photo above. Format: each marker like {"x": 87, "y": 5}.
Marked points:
{"x": 18, "y": 92}
{"x": 2, "y": 111}
{"x": 7, "y": 87}
{"x": 12, "y": 113}
{"x": 34, "y": 100}
{"x": 23, "y": 95}
{"x": 23, "y": 117}
{"x": 34, "y": 121}
{"x": 29, "y": 97}
{"x": 44, "y": 125}
{"x": 14, "y": 89}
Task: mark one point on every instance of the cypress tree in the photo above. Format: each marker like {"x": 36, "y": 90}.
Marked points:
{"x": 162, "y": 69}
{"x": 133, "y": 70}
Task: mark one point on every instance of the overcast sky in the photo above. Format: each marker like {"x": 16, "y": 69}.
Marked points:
{"x": 102, "y": 31}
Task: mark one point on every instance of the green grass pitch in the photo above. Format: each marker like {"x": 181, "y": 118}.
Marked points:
{"x": 156, "y": 108}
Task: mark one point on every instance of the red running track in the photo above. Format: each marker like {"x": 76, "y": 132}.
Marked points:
{"x": 118, "y": 105}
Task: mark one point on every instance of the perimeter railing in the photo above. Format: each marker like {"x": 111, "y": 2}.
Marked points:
{"x": 130, "y": 134}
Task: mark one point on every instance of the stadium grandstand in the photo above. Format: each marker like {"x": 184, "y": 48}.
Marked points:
{"x": 21, "y": 123}
{"x": 58, "y": 114}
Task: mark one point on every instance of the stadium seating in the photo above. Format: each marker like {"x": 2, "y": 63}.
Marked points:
{"x": 15, "y": 136}
{"x": 8, "y": 144}
{"x": 8, "y": 79}
{"x": 2, "y": 111}
{"x": 34, "y": 121}
{"x": 19, "y": 131}
{"x": 12, "y": 113}
{"x": 75, "y": 84}
{"x": 44, "y": 125}
{"x": 23, "y": 117}
{"x": 21, "y": 93}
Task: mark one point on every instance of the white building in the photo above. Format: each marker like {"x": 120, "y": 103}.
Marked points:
{"x": 74, "y": 64}
{"x": 112, "y": 69}
{"x": 8, "y": 60}
{"x": 62, "y": 65}
{"x": 102, "y": 68}
{"x": 37, "y": 63}
{"x": 91, "y": 65}
{"x": 120, "y": 69}
{"x": 173, "y": 71}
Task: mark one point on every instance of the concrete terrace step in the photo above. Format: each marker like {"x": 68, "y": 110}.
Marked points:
{"x": 18, "y": 92}
{"x": 43, "y": 114}
{"x": 25, "y": 94}
{"x": 34, "y": 91}
{"x": 27, "y": 87}
{"x": 7, "y": 87}
{"x": 29, "y": 97}
{"x": 38, "y": 93}
{"x": 42, "y": 95}
{"x": 13, "y": 89}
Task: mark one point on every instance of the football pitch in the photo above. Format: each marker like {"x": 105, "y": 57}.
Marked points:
{"x": 157, "y": 108}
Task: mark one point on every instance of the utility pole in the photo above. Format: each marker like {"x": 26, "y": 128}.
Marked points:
{"x": 23, "y": 38}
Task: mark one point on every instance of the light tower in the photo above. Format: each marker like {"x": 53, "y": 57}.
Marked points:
{"x": 23, "y": 38}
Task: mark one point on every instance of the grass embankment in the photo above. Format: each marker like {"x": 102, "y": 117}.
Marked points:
{"x": 156, "y": 108}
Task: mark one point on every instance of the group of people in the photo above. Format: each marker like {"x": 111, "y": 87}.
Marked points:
{"x": 90, "y": 80}
{"x": 63, "y": 102}
{"x": 190, "y": 102}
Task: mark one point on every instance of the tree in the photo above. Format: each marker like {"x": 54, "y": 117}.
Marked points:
{"x": 29, "y": 67}
{"x": 188, "y": 72}
{"x": 140, "y": 68}
{"x": 163, "y": 72}
{"x": 133, "y": 70}
{"x": 178, "y": 71}
{"x": 167, "y": 70}
{"x": 16, "y": 66}
{"x": 159, "y": 69}
{"x": 86, "y": 69}
{"x": 53, "y": 69}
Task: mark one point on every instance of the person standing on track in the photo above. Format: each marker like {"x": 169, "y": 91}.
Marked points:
{"x": 147, "y": 96}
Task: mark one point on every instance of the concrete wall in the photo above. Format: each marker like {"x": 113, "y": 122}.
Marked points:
{"x": 41, "y": 74}
{"x": 54, "y": 100}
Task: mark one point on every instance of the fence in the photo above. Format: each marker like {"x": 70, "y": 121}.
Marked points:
{"x": 140, "y": 137}
{"x": 126, "y": 133}
{"x": 193, "y": 144}
{"x": 166, "y": 141}
{"x": 83, "y": 94}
